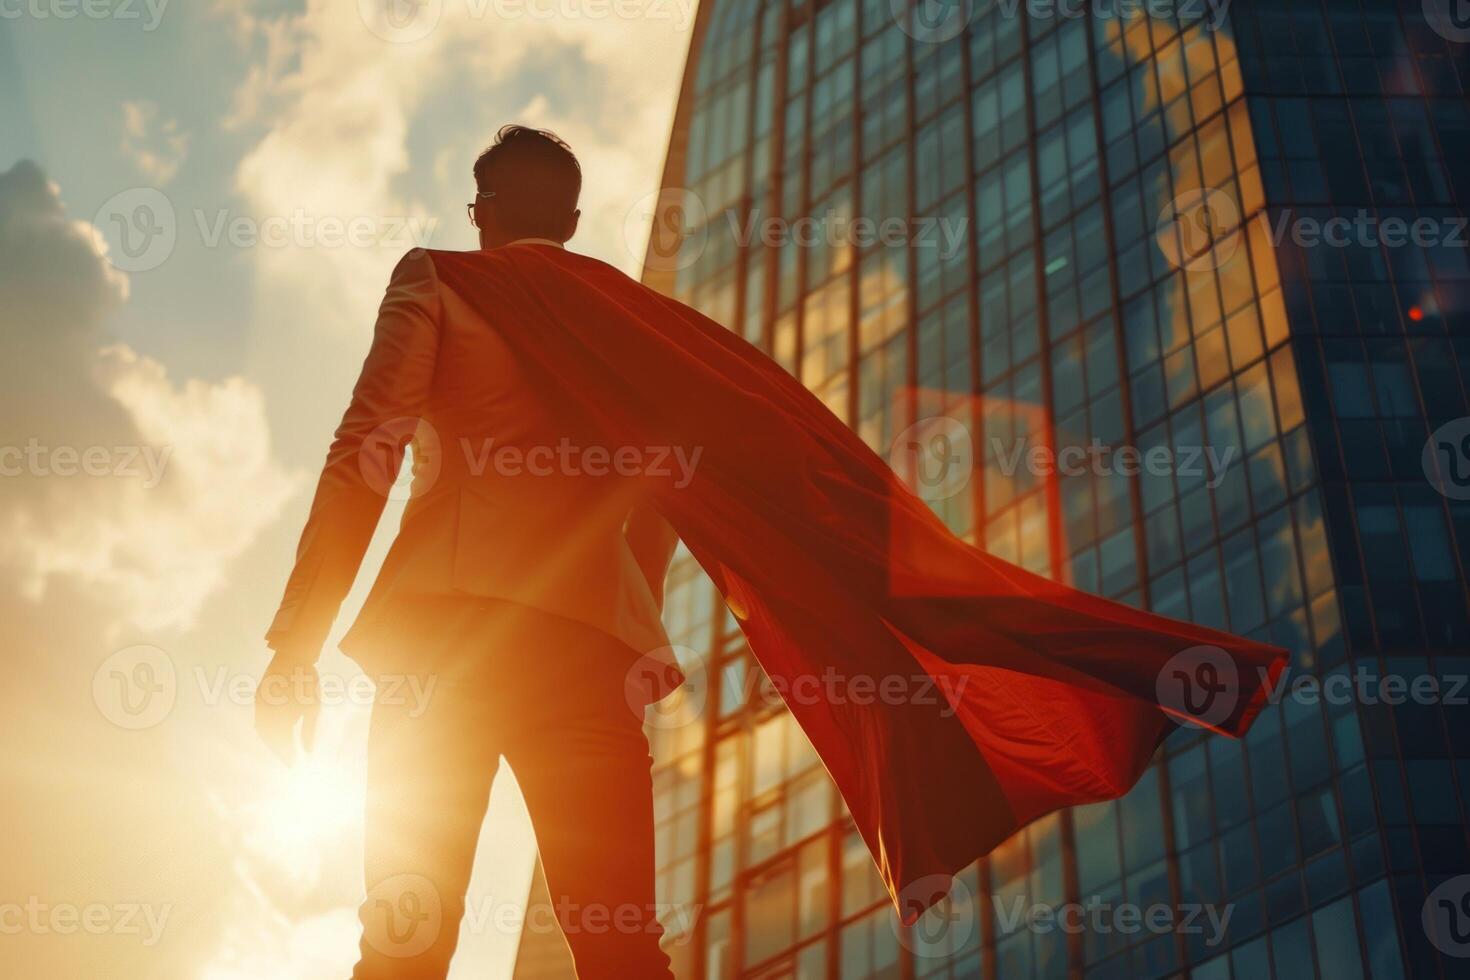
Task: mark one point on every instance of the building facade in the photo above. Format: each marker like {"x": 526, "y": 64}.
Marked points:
{"x": 1063, "y": 233}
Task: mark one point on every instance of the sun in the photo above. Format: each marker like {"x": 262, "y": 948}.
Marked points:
{"x": 303, "y": 807}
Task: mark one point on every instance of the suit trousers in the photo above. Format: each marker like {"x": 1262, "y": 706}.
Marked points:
{"x": 547, "y": 695}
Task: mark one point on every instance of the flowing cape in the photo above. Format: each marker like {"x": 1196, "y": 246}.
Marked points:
{"x": 1046, "y": 696}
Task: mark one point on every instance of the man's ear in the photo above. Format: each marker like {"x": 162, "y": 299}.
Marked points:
{"x": 572, "y": 225}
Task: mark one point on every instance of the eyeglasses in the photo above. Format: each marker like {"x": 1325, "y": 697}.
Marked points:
{"x": 470, "y": 207}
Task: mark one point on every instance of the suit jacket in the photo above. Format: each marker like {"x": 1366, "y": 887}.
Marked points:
{"x": 504, "y": 504}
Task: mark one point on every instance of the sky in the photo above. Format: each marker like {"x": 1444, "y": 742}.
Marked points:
{"x": 200, "y": 204}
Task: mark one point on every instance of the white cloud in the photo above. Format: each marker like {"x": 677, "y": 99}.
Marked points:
{"x": 284, "y": 949}
{"x": 332, "y": 104}
{"x": 335, "y": 106}
{"x": 153, "y": 143}
{"x": 137, "y": 488}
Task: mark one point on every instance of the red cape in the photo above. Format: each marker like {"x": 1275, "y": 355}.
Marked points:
{"x": 833, "y": 567}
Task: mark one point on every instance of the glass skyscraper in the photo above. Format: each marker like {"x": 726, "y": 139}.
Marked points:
{"x": 1099, "y": 227}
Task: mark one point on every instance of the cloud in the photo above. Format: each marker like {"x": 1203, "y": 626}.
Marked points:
{"x": 154, "y": 144}
{"x": 285, "y": 950}
{"x": 51, "y": 261}
{"x": 345, "y": 119}
{"x": 129, "y": 485}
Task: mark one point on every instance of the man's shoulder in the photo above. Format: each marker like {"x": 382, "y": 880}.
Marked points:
{"x": 416, "y": 263}
{"x": 415, "y": 282}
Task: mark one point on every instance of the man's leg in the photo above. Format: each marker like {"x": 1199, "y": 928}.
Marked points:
{"x": 585, "y": 773}
{"x": 430, "y": 766}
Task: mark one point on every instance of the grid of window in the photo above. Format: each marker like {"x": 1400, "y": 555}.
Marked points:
{"x": 1359, "y": 115}
{"x": 1291, "y": 387}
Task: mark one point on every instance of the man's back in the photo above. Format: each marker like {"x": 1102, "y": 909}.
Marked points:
{"x": 506, "y": 502}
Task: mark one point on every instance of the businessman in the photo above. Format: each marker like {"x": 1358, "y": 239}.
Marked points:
{"x": 526, "y": 582}
{"x": 537, "y": 596}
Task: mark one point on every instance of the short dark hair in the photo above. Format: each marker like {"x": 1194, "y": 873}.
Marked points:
{"x": 536, "y": 179}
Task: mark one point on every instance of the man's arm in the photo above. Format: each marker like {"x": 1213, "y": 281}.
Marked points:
{"x": 653, "y": 542}
{"x": 393, "y": 387}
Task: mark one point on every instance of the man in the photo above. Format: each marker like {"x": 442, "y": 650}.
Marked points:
{"x": 525, "y": 581}
{"x": 957, "y": 697}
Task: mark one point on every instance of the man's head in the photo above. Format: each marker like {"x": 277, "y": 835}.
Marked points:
{"x": 527, "y": 183}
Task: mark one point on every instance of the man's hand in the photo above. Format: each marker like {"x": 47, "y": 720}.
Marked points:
{"x": 287, "y": 694}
